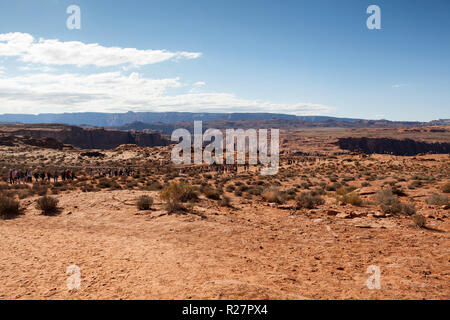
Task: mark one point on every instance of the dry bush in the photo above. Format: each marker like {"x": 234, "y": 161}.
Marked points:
{"x": 225, "y": 202}
{"x": 175, "y": 194}
{"x": 437, "y": 199}
{"x": 40, "y": 190}
{"x": 48, "y": 205}
{"x": 211, "y": 193}
{"x": 309, "y": 200}
{"x": 409, "y": 209}
{"x": 144, "y": 202}
{"x": 446, "y": 188}
{"x": 344, "y": 190}
{"x": 352, "y": 198}
{"x": 274, "y": 195}
{"x": 230, "y": 188}
{"x": 419, "y": 220}
{"x": 388, "y": 201}
{"x": 154, "y": 186}
{"x": 9, "y": 207}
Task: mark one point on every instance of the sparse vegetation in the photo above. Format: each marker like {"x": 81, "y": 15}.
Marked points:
{"x": 437, "y": 199}
{"x": 273, "y": 195}
{"x": 177, "y": 193}
{"x": 446, "y": 188}
{"x": 419, "y": 220}
{"x": 352, "y": 198}
{"x": 144, "y": 202}
{"x": 47, "y": 205}
{"x": 9, "y": 207}
{"x": 308, "y": 200}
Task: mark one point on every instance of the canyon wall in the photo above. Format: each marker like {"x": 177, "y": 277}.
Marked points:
{"x": 405, "y": 147}
{"x": 94, "y": 138}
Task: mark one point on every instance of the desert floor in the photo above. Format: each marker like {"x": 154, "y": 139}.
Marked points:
{"x": 255, "y": 251}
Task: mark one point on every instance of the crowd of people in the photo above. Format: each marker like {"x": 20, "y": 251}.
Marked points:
{"x": 18, "y": 176}
{"x": 26, "y": 176}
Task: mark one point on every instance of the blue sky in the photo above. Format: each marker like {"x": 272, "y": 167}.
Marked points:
{"x": 299, "y": 57}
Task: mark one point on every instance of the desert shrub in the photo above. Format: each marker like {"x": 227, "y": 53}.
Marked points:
{"x": 437, "y": 199}
{"x": 40, "y": 190}
{"x": 211, "y": 193}
{"x": 388, "y": 201}
{"x": 409, "y": 209}
{"x": 256, "y": 191}
{"x": 48, "y": 205}
{"x": 144, "y": 202}
{"x": 230, "y": 188}
{"x": 225, "y": 201}
{"x": 398, "y": 191}
{"x": 352, "y": 198}
{"x": 446, "y": 188}
{"x": 8, "y": 207}
{"x": 154, "y": 186}
{"x": 344, "y": 190}
{"x": 175, "y": 194}
{"x": 419, "y": 220}
{"x": 87, "y": 188}
{"x": 104, "y": 183}
{"x": 273, "y": 195}
{"x": 309, "y": 200}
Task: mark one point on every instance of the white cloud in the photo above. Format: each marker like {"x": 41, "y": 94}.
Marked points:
{"x": 116, "y": 92}
{"x": 399, "y": 85}
{"x": 44, "y": 87}
{"x": 199, "y": 84}
{"x": 55, "y": 52}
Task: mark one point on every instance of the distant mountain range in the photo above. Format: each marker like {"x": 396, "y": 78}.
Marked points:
{"x": 119, "y": 119}
{"x": 157, "y": 120}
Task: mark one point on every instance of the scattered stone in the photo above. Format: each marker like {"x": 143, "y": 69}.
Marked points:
{"x": 364, "y": 226}
{"x": 332, "y": 212}
{"x": 343, "y": 215}
{"x": 379, "y": 215}
{"x": 285, "y": 207}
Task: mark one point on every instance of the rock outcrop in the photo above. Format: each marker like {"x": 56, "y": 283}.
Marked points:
{"x": 405, "y": 147}
{"x": 93, "y": 138}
